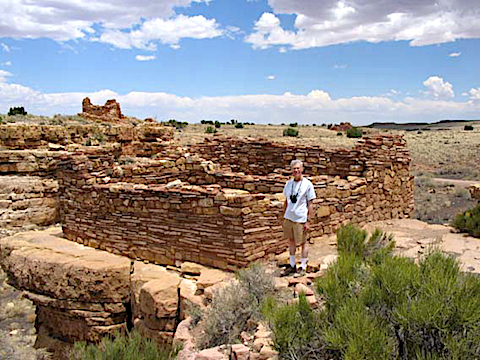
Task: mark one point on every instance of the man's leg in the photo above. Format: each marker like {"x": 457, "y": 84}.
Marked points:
{"x": 291, "y": 249}
{"x": 304, "y": 255}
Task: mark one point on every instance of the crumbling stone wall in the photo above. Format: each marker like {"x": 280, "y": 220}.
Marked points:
{"x": 215, "y": 225}
{"x": 263, "y": 157}
{"x": 33, "y": 136}
{"x": 111, "y": 109}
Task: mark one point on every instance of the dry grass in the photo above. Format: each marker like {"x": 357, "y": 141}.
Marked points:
{"x": 307, "y": 135}
{"x": 453, "y": 153}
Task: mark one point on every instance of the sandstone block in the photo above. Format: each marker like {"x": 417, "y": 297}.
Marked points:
{"x": 240, "y": 352}
{"x": 44, "y": 263}
{"x": 210, "y": 277}
{"x": 160, "y": 297}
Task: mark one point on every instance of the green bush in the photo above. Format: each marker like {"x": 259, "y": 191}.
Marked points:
{"x": 354, "y": 132}
{"x": 468, "y": 127}
{"x": 293, "y": 124}
{"x": 380, "y": 306}
{"x": 469, "y": 221}
{"x": 122, "y": 347}
{"x": 234, "y": 306}
{"x": 339, "y": 133}
{"x": 238, "y": 126}
{"x": 210, "y": 130}
{"x": 218, "y": 124}
{"x": 17, "y": 111}
{"x": 290, "y": 132}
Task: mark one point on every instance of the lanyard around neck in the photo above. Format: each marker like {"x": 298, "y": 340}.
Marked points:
{"x": 298, "y": 188}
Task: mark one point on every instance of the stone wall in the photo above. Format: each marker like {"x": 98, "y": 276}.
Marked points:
{"x": 229, "y": 221}
{"x": 27, "y": 200}
{"x": 110, "y": 110}
{"x": 33, "y": 136}
{"x": 262, "y": 157}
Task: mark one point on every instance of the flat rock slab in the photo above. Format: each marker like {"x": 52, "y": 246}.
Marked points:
{"x": 44, "y": 263}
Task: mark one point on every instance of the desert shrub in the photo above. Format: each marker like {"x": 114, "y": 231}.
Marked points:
{"x": 238, "y": 126}
{"x": 122, "y": 347}
{"x": 297, "y": 330}
{"x": 354, "y": 132}
{"x": 207, "y": 122}
{"x": 468, "y": 127}
{"x": 339, "y": 133}
{"x": 177, "y": 124}
{"x": 17, "y": 111}
{"x": 469, "y": 221}
{"x": 293, "y": 124}
{"x": 210, "y": 130}
{"x": 290, "y": 132}
{"x": 236, "y": 307}
{"x": 218, "y": 124}
{"x": 380, "y": 306}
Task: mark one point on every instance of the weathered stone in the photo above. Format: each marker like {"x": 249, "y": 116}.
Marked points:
{"x": 44, "y": 263}
{"x": 211, "y": 354}
{"x": 209, "y": 277}
{"x": 191, "y": 268}
{"x": 160, "y": 297}
{"x": 240, "y": 352}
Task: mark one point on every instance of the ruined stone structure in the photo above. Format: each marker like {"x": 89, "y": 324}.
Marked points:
{"x": 29, "y": 155}
{"x": 108, "y": 112}
{"x": 231, "y": 219}
{"x": 343, "y": 126}
{"x": 139, "y": 198}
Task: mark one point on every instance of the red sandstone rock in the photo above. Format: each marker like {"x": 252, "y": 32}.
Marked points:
{"x": 344, "y": 126}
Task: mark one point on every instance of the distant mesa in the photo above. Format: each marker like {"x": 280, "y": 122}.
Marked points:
{"x": 343, "y": 126}
{"x": 110, "y": 112}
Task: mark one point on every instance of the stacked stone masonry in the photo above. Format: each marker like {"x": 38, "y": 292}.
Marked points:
{"x": 29, "y": 155}
{"x": 231, "y": 219}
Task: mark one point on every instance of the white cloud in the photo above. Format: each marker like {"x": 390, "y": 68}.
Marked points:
{"x": 475, "y": 94}
{"x": 7, "y": 63}
{"x": 336, "y": 22}
{"x": 4, "y": 75}
{"x": 168, "y": 31}
{"x": 122, "y": 23}
{"x": 316, "y": 106}
{"x": 339, "y": 66}
{"x": 5, "y": 47}
{"x": 145, "y": 57}
{"x": 455, "y": 54}
{"x": 270, "y": 77}
{"x": 438, "y": 88}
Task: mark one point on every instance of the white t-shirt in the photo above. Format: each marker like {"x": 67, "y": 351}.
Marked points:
{"x": 298, "y": 211}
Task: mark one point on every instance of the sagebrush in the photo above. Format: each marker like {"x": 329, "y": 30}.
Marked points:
{"x": 469, "y": 221}
{"x": 236, "y": 307}
{"x": 131, "y": 346}
{"x": 381, "y": 306}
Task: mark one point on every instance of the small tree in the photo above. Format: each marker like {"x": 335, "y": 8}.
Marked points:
{"x": 468, "y": 127}
{"x": 354, "y": 132}
{"x": 218, "y": 124}
{"x": 290, "y": 132}
{"x": 210, "y": 130}
{"x": 239, "y": 126}
{"x": 17, "y": 111}
{"x": 294, "y": 124}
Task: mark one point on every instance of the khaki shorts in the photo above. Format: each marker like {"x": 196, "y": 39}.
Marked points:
{"x": 294, "y": 230}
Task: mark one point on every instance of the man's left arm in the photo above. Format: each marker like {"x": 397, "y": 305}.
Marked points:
{"x": 309, "y": 215}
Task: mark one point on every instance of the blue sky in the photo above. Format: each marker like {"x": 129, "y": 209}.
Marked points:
{"x": 264, "y": 61}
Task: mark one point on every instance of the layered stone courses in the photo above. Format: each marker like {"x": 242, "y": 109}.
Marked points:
{"x": 232, "y": 219}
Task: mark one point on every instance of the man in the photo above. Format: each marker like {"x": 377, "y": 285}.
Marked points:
{"x": 298, "y": 212}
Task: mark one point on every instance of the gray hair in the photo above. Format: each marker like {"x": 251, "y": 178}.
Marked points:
{"x": 295, "y": 162}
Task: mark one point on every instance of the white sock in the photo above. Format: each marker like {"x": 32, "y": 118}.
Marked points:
{"x": 292, "y": 260}
{"x": 304, "y": 263}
